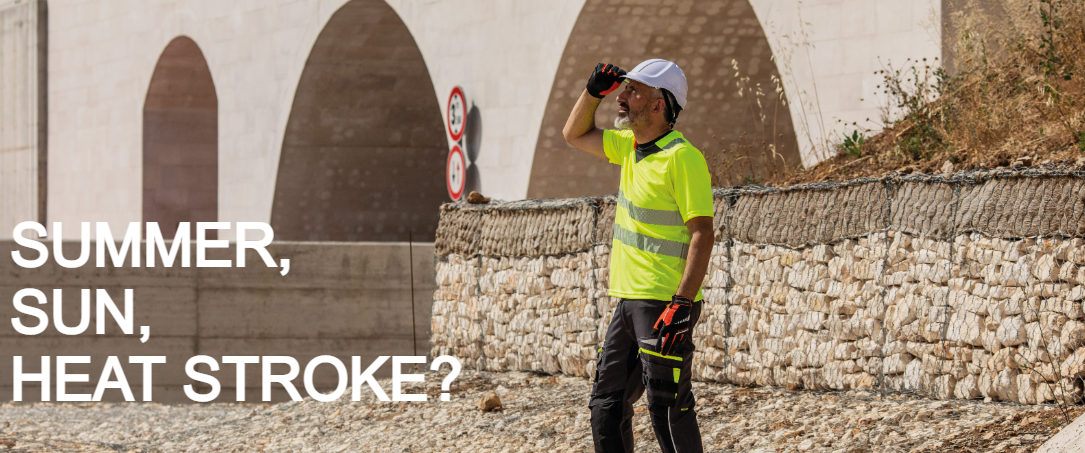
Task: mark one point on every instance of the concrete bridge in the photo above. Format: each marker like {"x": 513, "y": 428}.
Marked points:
{"x": 326, "y": 118}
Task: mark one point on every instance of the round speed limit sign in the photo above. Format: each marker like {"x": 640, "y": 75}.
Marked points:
{"x": 456, "y": 173}
{"x": 457, "y": 114}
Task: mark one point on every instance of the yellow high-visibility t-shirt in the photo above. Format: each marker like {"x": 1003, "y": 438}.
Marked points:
{"x": 662, "y": 187}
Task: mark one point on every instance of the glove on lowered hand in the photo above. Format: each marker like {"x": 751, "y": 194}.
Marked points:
{"x": 672, "y": 327}
{"x": 605, "y": 79}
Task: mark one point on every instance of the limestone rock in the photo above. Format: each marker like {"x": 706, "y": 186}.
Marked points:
{"x": 966, "y": 388}
{"x": 489, "y": 402}
{"x": 1023, "y": 161}
{"x": 477, "y": 198}
{"x": 1011, "y": 331}
{"x": 1005, "y": 385}
{"x": 1073, "y": 335}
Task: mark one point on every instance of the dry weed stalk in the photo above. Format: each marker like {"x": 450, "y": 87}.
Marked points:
{"x": 1018, "y": 89}
{"x": 751, "y": 157}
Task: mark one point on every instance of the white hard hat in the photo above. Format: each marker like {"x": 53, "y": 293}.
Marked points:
{"x": 664, "y": 74}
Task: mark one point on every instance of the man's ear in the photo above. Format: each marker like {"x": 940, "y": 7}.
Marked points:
{"x": 660, "y": 106}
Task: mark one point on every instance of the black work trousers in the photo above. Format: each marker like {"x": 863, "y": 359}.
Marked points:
{"x": 629, "y": 364}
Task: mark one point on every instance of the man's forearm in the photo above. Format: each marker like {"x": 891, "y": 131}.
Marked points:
{"x": 582, "y": 119}
{"x": 580, "y": 129}
{"x": 700, "y": 252}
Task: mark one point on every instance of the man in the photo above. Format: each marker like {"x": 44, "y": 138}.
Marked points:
{"x": 662, "y": 242}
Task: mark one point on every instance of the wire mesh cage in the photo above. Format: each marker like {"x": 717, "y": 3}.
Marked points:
{"x": 961, "y": 286}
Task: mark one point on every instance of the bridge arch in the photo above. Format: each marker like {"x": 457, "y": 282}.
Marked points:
{"x": 180, "y": 140}
{"x": 363, "y": 156}
{"x": 703, "y": 37}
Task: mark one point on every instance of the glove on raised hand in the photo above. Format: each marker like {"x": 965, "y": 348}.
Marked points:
{"x": 672, "y": 327}
{"x": 605, "y": 79}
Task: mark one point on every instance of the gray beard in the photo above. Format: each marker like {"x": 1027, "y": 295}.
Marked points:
{"x": 631, "y": 120}
{"x": 623, "y": 123}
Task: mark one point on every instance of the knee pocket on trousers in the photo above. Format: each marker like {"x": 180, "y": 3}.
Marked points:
{"x": 606, "y": 399}
{"x": 661, "y": 378}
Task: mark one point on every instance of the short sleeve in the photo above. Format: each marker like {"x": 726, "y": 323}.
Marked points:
{"x": 617, "y": 145}
{"x": 692, "y": 184}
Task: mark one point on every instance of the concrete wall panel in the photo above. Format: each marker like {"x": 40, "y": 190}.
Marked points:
{"x": 305, "y": 350}
{"x": 295, "y": 313}
{"x": 340, "y": 299}
{"x": 169, "y": 310}
{"x": 172, "y": 373}
{"x": 23, "y": 38}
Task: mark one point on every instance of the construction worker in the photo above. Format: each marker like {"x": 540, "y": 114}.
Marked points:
{"x": 662, "y": 243}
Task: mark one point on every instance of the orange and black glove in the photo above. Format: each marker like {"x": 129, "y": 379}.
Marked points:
{"x": 605, "y": 79}
{"x": 672, "y": 327}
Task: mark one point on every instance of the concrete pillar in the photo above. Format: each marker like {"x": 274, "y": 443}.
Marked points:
{"x": 22, "y": 112}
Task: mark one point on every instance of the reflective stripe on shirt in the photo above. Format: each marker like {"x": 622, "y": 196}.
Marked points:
{"x": 650, "y": 216}
{"x": 650, "y": 244}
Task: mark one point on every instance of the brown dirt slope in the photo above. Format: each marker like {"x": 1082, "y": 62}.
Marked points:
{"x": 1015, "y": 97}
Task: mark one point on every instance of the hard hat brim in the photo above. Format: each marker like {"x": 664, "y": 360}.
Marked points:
{"x": 635, "y": 77}
{"x": 639, "y": 79}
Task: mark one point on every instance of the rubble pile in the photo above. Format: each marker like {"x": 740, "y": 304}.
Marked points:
{"x": 527, "y": 412}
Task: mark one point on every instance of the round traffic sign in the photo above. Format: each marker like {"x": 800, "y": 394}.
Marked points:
{"x": 456, "y": 173}
{"x": 457, "y": 113}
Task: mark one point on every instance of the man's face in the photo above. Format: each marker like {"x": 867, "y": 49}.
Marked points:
{"x": 634, "y": 105}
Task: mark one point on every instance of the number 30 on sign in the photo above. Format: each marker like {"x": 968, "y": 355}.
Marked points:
{"x": 457, "y": 114}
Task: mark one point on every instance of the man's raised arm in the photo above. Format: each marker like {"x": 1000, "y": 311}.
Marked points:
{"x": 580, "y": 130}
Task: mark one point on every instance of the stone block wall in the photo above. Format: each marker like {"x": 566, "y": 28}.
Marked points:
{"x": 968, "y": 286}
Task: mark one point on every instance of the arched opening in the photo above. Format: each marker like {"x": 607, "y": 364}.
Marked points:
{"x": 363, "y": 157}
{"x": 180, "y": 140}
{"x": 702, "y": 38}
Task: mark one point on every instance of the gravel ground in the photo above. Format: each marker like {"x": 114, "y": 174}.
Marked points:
{"x": 541, "y": 413}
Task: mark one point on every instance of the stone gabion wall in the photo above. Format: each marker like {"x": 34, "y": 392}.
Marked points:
{"x": 958, "y": 287}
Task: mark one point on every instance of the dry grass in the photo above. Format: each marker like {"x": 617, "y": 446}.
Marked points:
{"x": 1018, "y": 90}
{"x": 753, "y": 156}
